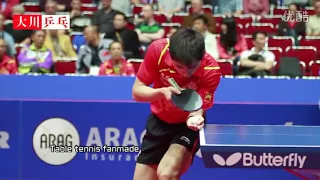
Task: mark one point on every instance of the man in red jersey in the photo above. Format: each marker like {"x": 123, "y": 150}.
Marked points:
{"x": 172, "y": 136}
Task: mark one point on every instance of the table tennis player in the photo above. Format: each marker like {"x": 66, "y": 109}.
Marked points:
{"x": 172, "y": 136}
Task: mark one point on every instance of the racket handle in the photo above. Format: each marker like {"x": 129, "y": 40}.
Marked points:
{"x": 174, "y": 84}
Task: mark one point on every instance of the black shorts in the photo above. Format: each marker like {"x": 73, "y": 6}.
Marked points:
{"x": 160, "y": 135}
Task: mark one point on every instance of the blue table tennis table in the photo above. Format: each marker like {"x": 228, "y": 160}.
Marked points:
{"x": 294, "y": 148}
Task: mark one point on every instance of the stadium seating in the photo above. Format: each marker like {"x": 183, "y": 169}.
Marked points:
{"x": 226, "y": 67}
{"x": 315, "y": 68}
{"x": 277, "y": 52}
{"x": 89, "y": 7}
{"x": 64, "y": 67}
{"x": 167, "y": 27}
{"x": 137, "y": 9}
{"x": 31, "y": 7}
{"x": 305, "y": 54}
{"x": 280, "y": 41}
{"x": 244, "y": 20}
{"x": 310, "y": 41}
{"x": 274, "y": 20}
{"x": 219, "y": 18}
{"x": 178, "y": 17}
{"x": 265, "y": 27}
{"x": 136, "y": 63}
{"x": 160, "y": 18}
{"x": 249, "y": 41}
{"x": 205, "y": 8}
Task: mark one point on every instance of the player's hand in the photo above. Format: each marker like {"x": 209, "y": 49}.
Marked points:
{"x": 195, "y": 122}
{"x": 168, "y": 91}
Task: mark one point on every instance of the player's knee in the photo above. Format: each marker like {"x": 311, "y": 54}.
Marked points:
{"x": 168, "y": 172}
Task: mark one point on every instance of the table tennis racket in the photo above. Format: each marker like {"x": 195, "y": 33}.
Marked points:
{"x": 189, "y": 100}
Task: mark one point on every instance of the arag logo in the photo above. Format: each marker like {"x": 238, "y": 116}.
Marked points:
{"x": 230, "y": 161}
{"x": 55, "y": 132}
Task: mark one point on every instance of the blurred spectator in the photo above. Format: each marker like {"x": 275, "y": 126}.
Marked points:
{"x": 117, "y": 65}
{"x": 292, "y": 24}
{"x": 7, "y": 64}
{"x": 149, "y": 30}
{"x": 36, "y": 57}
{"x": 172, "y": 30}
{"x": 7, "y": 37}
{"x": 128, "y": 38}
{"x": 230, "y": 43}
{"x": 6, "y": 7}
{"x": 200, "y": 24}
{"x": 103, "y": 18}
{"x": 94, "y": 53}
{"x": 301, "y": 3}
{"x": 169, "y": 7}
{"x": 51, "y": 7}
{"x": 60, "y": 45}
{"x": 230, "y": 7}
{"x": 61, "y": 5}
{"x": 78, "y": 20}
{"x": 197, "y": 10}
{"x": 313, "y": 25}
{"x": 256, "y": 7}
{"x": 257, "y": 61}
{"x": 20, "y": 36}
{"x": 122, "y": 6}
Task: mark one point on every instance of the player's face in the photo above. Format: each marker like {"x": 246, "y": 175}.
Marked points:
{"x": 119, "y": 22}
{"x": 185, "y": 71}
{"x": 116, "y": 50}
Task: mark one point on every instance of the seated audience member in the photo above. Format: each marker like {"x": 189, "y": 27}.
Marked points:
{"x": 61, "y": 5}
{"x": 21, "y": 37}
{"x": 50, "y": 7}
{"x": 200, "y": 24}
{"x": 7, "y": 64}
{"x": 257, "y": 61}
{"x": 149, "y": 30}
{"x": 293, "y": 25}
{"x": 197, "y": 10}
{"x": 94, "y": 53}
{"x": 230, "y": 7}
{"x": 123, "y": 6}
{"x": 117, "y": 65}
{"x": 231, "y": 43}
{"x": 7, "y": 37}
{"x": 169, "y": 7}
{"x": 313, "y": 24}
{"x": 103, "y": 18}
{"x": 6, "y": 7}
{"x": 128, "y": 38}
{"x": 35, "y": 58}
{"x": 256, "y": 7}
{"x": 60, "y": 45}
{"x": 78, "y": 20}
{"x": 301, "y": 3}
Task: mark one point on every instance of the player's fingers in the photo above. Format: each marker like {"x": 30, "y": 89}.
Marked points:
{"x": 174, "y": 90}
{"x": 200, "y": 126}
{"x": 200, "y": 120}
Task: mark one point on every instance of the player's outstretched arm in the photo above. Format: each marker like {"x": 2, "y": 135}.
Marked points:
{"x": 143, "y": 93}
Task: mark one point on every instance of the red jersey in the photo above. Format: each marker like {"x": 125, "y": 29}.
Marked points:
{"x": 157, "y": 68}
{"x": 108, "y": 68}
{"x": 8, "y": 65}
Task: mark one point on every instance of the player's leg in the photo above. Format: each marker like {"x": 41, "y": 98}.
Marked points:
{"x": 154, "y": 145}
{"x": 179, "y": 156}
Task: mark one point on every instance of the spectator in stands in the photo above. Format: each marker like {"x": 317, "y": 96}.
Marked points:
{"x": 36, "y": 57}
{"x": 51, "y": 7}
{"x": 94, "y": 53}
{"x": 103, "y": 18}
{"x": 7, "y": 64}
{"x": 60, "y": 45}
{"x": 231, "y": 43}
{"x": 301, "y": 3}
{"x": 230, "y": 7}
{"x": 21, "y": 37}
{"x": 169, "y": 7}
{"x": 123, "y": 6}
{"x": 313, "y": 25}
{"x": 149, "y": 30}
{"x": 7, "y": 37}
{"x": 293, "y": 24}
{"x": 60, "y": 5}
{"x": 128, "y": 38}
{"x": 78, "y": 20}
{"x": 201, "y": 24}
{"x": 117, "y": 65}
{"x": 197, "y": 10}
{"x": 6, "y": 7}
{"x": 256, "y": 7}
{"x": 257, "y": 61}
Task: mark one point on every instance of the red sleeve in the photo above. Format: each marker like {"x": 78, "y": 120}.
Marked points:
{"x": 209, "y": 85}
{"x": 148, "y": 68}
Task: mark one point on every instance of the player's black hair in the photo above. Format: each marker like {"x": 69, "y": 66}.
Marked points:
{"x": 202, "y": 18}
{"x": 187, "y": 46}
{"x": 255, "y": 34}
{"x": 123, "y": 15}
